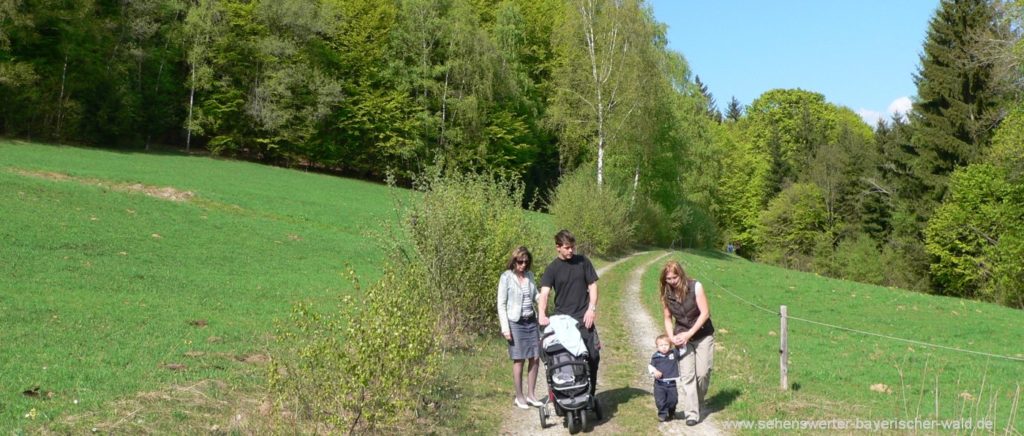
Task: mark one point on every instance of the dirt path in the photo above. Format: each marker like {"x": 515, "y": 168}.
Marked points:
{"x": 527, "y": 422}
{"x": 644, "y": 330}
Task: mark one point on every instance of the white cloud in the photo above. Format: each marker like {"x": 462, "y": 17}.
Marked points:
{"x": 900, "y": 106}
{"x": 869, "y": 116}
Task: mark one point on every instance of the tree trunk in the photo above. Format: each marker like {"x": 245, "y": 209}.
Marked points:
{"x": 191, "y": 100}
{"x": 587, "y": 11}
{"x": 636, "y": 185}
{"x": 60, "y": 100}
{"x": 444, "y": 110}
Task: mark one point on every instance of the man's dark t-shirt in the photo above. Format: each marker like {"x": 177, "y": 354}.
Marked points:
{"x": 570, "y": 279}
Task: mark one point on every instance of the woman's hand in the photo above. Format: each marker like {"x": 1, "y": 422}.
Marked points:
{"x": 508, "y": 335}
{"x": 681, "y": 339}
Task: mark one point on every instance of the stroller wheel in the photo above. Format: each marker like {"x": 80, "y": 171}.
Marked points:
{"x": 543, "y": 412}
{"x": 583, "y": 420}
{"x": 597, "y": 410}
{"x": 573, "y": 419}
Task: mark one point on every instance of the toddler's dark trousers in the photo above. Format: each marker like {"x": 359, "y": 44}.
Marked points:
{"x": 666, "y": 396}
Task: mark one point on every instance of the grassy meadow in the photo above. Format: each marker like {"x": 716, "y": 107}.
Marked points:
{"x": 832, "y": 371}
{"x": 139, "y": 293}
{"x": 108, "y": 293}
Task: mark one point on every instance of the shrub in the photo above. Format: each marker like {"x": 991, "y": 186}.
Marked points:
{"x": 1007, "y": 286}
{"x": 978, "y": 209}
{"x": 792, "y": 229}
{"x": 698, "y": 226}
{"x": 599, "y": 217}
{"x": 463, "y": 232}
{"x": 654, "y": 224}
{"x": 857, "y": 258}
{"x": 367, "y": 366}
{"x": 906, "y": 264}
{"x": 372, "y": 365}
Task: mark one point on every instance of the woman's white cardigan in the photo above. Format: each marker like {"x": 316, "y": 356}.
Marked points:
{"x": 510, "y": 297}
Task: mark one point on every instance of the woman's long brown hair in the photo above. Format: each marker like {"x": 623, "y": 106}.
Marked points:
{"x": 679, "y": 291}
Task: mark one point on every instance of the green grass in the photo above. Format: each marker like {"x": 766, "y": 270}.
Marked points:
{"x": 100, "y": 288}
{"x": 623, "y": 379}
{"x": 831, "y": 371}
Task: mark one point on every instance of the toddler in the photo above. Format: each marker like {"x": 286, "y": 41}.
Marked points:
{"x": 664, "y": 367}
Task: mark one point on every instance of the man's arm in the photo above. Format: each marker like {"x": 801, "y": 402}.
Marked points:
{"x": 542, "y": 305}
{"x": 591, "y": 315}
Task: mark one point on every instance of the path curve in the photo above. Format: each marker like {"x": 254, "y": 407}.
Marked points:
{"x": 527, "y": 422}
{"x": 642, "y": 335}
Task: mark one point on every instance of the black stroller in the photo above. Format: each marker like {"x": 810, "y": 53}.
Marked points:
{"x": 569, "y": 390}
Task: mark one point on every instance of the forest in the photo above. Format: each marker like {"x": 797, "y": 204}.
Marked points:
{"x": 560, "y": 94}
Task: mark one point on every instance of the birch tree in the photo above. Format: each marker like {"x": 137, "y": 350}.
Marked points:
{"x": 201, "y": 28}
{"x": 599, "y": 77}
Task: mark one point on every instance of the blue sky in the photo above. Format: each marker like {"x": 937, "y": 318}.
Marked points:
{"x": 861, "y": 54}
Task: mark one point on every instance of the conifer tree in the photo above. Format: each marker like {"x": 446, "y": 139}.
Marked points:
{"x": 712, "y": 105}
{"x": 958, "y": 101}
{"x": 734, "y": 111}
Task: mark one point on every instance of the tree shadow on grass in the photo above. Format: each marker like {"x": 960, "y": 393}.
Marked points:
{"x": 612, "y": 399}
{"x": 718, "y": 402}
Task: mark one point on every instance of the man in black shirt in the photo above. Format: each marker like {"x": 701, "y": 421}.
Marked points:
{"x": 575, "y": 282}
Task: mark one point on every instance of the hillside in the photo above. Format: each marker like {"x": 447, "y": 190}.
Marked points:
{"x": 125, "y": 273}
{"x": 849, "y": 355}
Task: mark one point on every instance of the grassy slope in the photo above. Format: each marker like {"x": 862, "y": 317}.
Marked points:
{"x": 98, "y": 287}
{"x": 92, "y": 304}
{"x": 831, "y": 371}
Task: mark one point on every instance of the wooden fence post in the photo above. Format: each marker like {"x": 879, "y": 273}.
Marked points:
{"x": 783, "y": 349}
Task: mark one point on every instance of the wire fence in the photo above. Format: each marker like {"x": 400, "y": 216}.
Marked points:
{"x": 853, "y": 330}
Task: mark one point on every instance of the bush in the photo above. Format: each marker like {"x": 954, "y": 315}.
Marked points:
{"x": 791, "y": 231}
{"x": 372, "y": 365}
{"x": 699, "y": 230}
{"x": 857, "y": 258}
{"x": 367, "y": 366}
{"x": 463, "y": 232}
{"x": 906, "y": 264}
{"x": 1007, "y": 286}
{"x": 978, "y": 209}
{"x": 654, "y": 224}
{"x": 599, "y": 217}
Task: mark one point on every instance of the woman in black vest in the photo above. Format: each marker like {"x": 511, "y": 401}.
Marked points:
{"x": 688, "y": 324}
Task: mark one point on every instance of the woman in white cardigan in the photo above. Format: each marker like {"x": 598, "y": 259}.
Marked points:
{"x": 517, "y": 314}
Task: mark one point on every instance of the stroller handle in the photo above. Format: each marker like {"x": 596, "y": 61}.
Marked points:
{"x": 583, "y": 364}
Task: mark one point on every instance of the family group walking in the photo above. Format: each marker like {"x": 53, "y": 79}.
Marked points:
{"x": 684, "y": 354}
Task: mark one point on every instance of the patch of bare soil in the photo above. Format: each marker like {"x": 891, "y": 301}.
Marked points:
{"x": 256, "y": 358}
{"x": 163, "y": 193}
{"x": 204, "y": 407}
